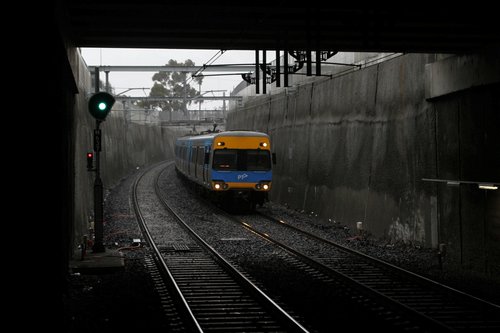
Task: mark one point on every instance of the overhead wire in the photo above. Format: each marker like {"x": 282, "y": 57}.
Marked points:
{"x": 208, "y": 63}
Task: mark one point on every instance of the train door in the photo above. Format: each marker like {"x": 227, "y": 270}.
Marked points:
{"x": 206, "y": 161}
{"x": 195, "y": 161}
{"x": 199, "y": 161}
{"x": 189, "y": 156}
{"x": 184, "y": 158}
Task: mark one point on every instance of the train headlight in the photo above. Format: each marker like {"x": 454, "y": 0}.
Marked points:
{"x": 220, "y": 185}
{"x": 263, "y": 144}
{"x": 262, "y": 186}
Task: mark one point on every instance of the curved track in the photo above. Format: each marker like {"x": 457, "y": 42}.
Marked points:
{"x": 403, "y": 298}
{"x": 209, "y": 293}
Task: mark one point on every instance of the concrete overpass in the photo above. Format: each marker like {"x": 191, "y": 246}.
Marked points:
{"x": 279, "y": 25}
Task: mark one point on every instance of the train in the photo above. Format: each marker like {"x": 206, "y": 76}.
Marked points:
{"x": 230, "y": 167}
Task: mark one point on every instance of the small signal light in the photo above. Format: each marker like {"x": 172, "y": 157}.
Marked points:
{"x": 90, "y": 161}
{"x": 263, "y": 144}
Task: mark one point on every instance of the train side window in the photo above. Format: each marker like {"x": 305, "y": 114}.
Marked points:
{"x": 199, "y": 159}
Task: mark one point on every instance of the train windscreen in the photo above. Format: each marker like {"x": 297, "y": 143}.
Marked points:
{"x": 241, "y": 160}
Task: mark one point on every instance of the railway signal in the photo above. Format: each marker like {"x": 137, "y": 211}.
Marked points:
{"x": 90, "y": 161}
{"x": 100, "y": 104}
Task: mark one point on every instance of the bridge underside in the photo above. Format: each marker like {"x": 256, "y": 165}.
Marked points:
{"x": 249, "y": 26}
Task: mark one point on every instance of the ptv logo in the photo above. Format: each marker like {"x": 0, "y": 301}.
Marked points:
{"x": 242, "y": 176}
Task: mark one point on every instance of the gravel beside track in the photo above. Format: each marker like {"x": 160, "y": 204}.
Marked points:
{"x": 128, "y": 300}
{"x": 118, "y": 302}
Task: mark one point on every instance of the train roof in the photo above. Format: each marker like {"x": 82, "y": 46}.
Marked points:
{"x": 225, "y": 133}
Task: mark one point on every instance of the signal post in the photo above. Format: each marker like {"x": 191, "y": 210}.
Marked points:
{"x": 99, "y": 105}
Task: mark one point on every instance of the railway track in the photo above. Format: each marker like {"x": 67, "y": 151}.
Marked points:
{"x": 209, "y": 294}
{"x": 404, "y": 299}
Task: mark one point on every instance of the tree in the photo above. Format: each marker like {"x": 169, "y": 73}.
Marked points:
{"x": 174, "y": 84}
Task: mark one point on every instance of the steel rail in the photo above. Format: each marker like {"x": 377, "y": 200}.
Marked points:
{"x": 392, "y": 304}
{"x": 384, "y": 263}
{"x": 181, "y": 300}
{"x": 285, "y": 318}
{"x": 471, "y": 305}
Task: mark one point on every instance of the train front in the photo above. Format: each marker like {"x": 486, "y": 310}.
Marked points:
{"x": 241, "y": 166}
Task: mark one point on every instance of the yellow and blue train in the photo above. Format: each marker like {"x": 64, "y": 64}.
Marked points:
{"x": 229, "y": 166}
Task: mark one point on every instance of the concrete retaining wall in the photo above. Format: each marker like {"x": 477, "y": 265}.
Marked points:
{"x": 356, "y": 147}
{"x": 125, "y": 147}
{"x": 348, "y": 149}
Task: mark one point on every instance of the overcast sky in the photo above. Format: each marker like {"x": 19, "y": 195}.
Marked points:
{"x": 155, "y": 57}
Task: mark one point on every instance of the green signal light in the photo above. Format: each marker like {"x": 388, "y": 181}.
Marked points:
{"x": 100, "y": 105}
